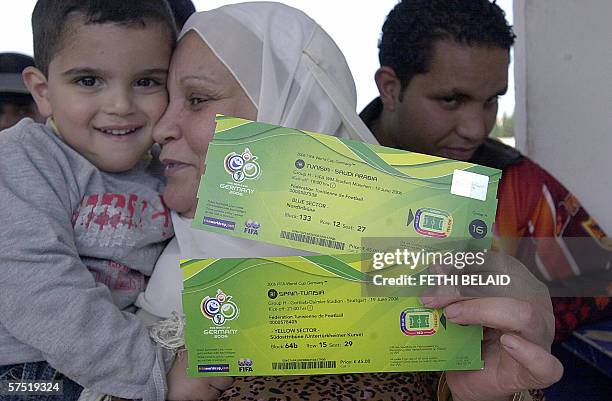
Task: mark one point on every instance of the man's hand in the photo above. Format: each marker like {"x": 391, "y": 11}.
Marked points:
{"x": 183, "y": 387}
{"x": 518, "y": 333}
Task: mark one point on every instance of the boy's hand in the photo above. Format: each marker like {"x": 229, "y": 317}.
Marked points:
{"x": 183, "y": 387}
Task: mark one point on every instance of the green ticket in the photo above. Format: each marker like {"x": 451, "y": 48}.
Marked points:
{"x": 323, "y": 194}
{"x": 307, "y": 315}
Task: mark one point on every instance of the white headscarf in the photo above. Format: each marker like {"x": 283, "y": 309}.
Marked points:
{"x": 290, "y": 68}
{"x": 296, "y": 76}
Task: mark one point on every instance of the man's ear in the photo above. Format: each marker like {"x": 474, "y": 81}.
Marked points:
{"x": 389, "y": 87}
{"x": 36, "y": 82}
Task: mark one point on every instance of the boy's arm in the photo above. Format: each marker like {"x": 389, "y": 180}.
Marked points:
{"x": 49, "y": 301}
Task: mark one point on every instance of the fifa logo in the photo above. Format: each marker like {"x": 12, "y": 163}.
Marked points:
{"x": 251, "y": 227}
{"x": 245, "y": 365}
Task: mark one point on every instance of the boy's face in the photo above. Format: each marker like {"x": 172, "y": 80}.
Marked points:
{"x": 106, "y": 89}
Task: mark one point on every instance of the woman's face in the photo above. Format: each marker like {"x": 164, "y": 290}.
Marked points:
{"x": 199, "y": 86}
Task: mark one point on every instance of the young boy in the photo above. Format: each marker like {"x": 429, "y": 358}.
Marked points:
{"x": 83, "y": 219}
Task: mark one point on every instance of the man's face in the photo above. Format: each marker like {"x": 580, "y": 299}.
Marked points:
{"x": 11, "y": 113}
{"x": 450, "y": 110}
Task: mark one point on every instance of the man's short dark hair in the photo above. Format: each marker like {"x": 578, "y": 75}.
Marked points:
{"x": 414, "y": 26}
{"x": 51, "y": 21}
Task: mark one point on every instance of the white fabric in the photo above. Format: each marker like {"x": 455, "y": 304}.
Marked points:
{"x": 296, "y": 77}
{"x": 90, "y": 395}
{"x": 290, "y": 68}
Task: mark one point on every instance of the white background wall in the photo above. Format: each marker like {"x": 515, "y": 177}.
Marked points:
{"x": 563, "y": 75}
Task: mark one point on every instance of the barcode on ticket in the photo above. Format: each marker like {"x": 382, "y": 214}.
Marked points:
{"x": 311, "y": 239}
{"x": 303, "y": 365}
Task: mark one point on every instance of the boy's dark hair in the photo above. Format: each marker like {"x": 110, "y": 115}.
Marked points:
{"x": 51, "y": 20}
{"x": 413, "y": 27}
{"x": 182, "y": 10}
{"x": 12, "y": 88}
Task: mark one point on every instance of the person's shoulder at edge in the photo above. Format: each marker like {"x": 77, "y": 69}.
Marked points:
{"x": 526, "y": 172}
{"x": 29, "y": 143}
{"x": 36, "y": 141}
{"x": 24, "y": 132}
{"x": 40, "y": 142}
{"x": 31, "y": 151}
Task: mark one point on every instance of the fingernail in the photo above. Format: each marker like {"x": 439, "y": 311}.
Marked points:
{"x": 509, "y": 341}
{"x": 453, "y": 310}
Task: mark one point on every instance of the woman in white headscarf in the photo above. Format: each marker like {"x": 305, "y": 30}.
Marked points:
{"x": 262, "y": 61}
{"x": 272, "y": 63}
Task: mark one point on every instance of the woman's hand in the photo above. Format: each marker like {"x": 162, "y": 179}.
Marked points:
{"x": 183, "y": 387}
{"x": 518, "y": 333}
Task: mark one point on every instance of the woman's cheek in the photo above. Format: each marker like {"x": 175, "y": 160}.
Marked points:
{"x": 181, "y": 192}
{"x": 201, "y": 137}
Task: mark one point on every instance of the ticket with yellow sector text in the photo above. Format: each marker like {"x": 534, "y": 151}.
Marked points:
{"x": 306, "y": 315}
{"x": 323, "y": 194}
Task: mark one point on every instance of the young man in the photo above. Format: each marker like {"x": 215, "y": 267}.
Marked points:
{"x": 83, "y": 218}
{"x": 15, "y": 99}
{"x": 444, "y": 63}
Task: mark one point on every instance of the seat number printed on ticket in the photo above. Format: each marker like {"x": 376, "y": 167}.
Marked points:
{"x": 323, "y": 194}
{"x": 306, "y": 315}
